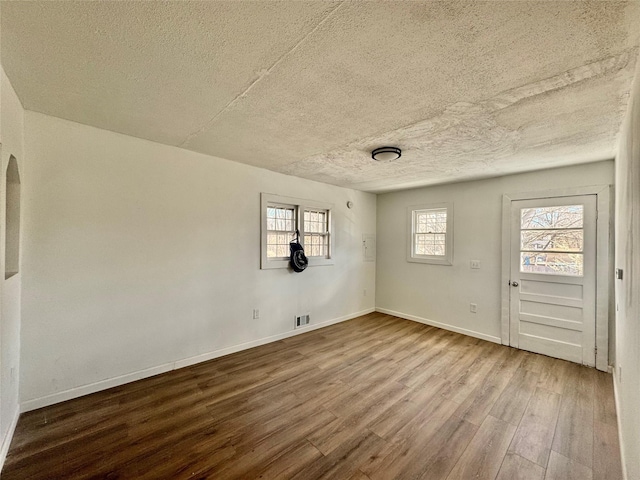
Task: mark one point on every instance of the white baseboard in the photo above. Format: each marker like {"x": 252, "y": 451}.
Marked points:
{"x": 6, "y": 441}
{"x": 150, "y": 372}
{"x": 445, "y": 326}
{"x": 83, "y": 390}
{"x": 274, "y": 338}
{"x": 620, "y": 438}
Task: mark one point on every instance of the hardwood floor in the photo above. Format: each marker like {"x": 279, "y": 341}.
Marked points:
{"x": 376, "y": 397}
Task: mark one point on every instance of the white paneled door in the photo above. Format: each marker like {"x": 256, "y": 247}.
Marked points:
{"x": 553, "y": 277}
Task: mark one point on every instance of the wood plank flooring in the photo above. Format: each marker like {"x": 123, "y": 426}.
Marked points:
{"x": 373, "y": 398}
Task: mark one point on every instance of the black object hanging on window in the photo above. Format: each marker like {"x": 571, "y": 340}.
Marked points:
{"x": 298, "y": 259}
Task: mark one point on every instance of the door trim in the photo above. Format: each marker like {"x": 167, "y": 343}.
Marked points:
{"x": 603, "y": 252}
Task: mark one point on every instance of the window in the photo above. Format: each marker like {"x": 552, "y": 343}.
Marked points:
{"x": 281, "y": 226}
{"x": 431, "y": 234}
{"x": 316, "y": 233}
{"x": 281, "y": 216}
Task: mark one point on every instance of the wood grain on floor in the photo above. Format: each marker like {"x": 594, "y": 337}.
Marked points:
{"x": 376, "y": 397}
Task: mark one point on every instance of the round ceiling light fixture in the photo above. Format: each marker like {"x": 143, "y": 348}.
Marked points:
{"x": 384, "y": 154}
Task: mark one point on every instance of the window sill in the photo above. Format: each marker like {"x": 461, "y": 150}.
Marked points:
{"x": 313, "y": 262}
{"x": 431, "y": 260}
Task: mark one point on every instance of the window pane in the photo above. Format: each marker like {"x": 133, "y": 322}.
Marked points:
{"x": 281, "y": 218}
{"x": 277, "y": 243}
{"x": 316, "y": 245}
{"x": 283, "y": 251}
{"x": 559, "y": 240}
{"x": 430, "y": 221}
{"x": 315, "y": 221}
{"x": 552, "y": 263}
{"x": 430, "y": 244}
{"x": 567, "y": 216}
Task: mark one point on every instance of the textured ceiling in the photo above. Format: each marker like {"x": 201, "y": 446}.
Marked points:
{"x": 466, "y": 89}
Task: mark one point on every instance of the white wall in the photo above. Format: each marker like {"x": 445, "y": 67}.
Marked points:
{"x": 139, "y": 255}
{"x": 627, "y": 378}
{"x": 442, "y": 294}
{"x": 11, "y": 138}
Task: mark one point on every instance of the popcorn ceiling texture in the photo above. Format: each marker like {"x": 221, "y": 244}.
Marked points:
{"x": 467, "y": 89}
{"x": 471, "y": 140}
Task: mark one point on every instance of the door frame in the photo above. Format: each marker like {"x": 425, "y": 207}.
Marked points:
{"x": 603, "y": 252}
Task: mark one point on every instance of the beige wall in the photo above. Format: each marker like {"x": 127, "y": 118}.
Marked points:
{"x": 443, "y": 294}
{"x": 11, "y": 138}
{"x": 138, "y": 256}
{"x": 628, "y": 289}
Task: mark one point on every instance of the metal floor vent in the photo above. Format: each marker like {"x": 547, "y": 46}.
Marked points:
{"x": 302, "y": 320}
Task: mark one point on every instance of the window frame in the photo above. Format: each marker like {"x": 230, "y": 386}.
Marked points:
{"x": 447, "y": 258}
{"x": 299, "y": 205}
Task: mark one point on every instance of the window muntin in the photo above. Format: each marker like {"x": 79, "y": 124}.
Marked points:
{"x": 431, "y": 234}
{"x": 552, "y": 240}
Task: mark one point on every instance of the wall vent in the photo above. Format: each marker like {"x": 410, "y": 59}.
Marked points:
{"x": 302, "y": 320}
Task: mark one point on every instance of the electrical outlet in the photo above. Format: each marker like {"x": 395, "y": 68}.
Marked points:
{"x": 364, "y": 292}
{"x": 13, "y": 374}
{"x": 620, "y": 373}
{"x": 256, "y": 313}
{"x": 473, "y": 307}
{"x": 475, "y": 264}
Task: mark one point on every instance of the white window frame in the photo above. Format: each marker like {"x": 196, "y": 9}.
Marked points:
{"x": 447, "y": 258}
{"x": 300, "y": 205}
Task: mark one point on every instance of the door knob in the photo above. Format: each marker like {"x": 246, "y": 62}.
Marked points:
{"x": 514, "y": 284}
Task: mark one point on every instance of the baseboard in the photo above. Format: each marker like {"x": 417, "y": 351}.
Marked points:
{"x": 274, "y": 338}
{"x": 445, "y": 326}
{"x": 620, "y": 438}
{"x": 6, "y": 441}
{"x": 150, "y": 372}
{"x": 83, "y": 390}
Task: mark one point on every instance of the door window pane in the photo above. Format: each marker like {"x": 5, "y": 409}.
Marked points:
{"x": 552, "y": 263}
{"x": 552, "y": 240}
{"x": 566, "y": 216}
